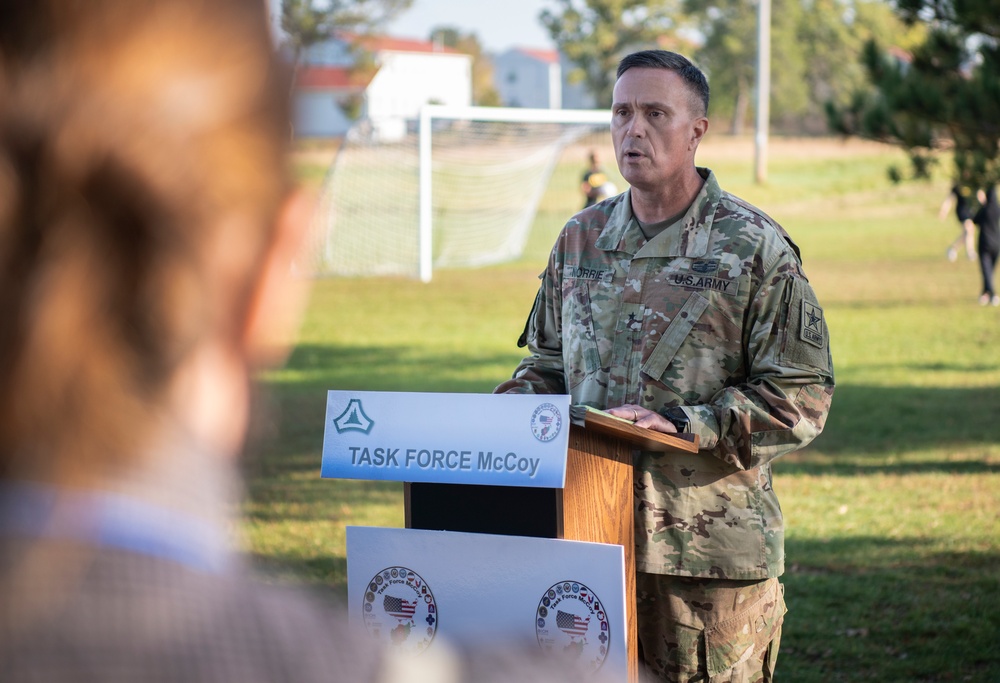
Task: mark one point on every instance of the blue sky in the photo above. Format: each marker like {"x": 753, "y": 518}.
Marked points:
{"x": 499, "y": 24}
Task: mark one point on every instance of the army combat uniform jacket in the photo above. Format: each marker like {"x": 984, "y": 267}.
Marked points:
{"x": 715, "y": 315}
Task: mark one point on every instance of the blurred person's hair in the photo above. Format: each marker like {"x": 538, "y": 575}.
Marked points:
{"x": 142, "y": 164}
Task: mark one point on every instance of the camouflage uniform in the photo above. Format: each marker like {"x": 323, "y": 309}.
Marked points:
{"x": 713, "y": 314}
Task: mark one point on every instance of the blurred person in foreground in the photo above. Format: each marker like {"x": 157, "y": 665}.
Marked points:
{"x": 146, "y": 236}
{"x": 146, "y": 231}
{"x": 682, "y": 308}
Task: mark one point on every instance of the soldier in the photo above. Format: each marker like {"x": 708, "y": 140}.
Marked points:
{"x": 685, "y": 309}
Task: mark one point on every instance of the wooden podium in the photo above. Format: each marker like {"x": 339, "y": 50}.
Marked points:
{"x": 596, "y": 504}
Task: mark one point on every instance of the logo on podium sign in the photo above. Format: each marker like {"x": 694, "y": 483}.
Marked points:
{"x": 353, "y": 419}
{"x": 571, "y": 623}
{"x": 400, "y": 610}
{"x": 546, "y": 422}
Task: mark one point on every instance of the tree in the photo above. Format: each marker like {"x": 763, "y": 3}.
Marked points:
{"x": 483, "y": 91}
{"x": 307, "y": 22}
{"x": 729, "y": 57}
{"x": 815, "y": 52}
{"x": 944, "y": 96}
{"x": 595, "y": 34}
{"x": 791, "y": 94}
{"x": 834, "y": 33}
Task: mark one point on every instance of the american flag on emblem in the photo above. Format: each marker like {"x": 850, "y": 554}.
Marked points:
{"x": 546, "y": 421}
{"x": 571, "y": 624}
{"x": 398, "y": 607}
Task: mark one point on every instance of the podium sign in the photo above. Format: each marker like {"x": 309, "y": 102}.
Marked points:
{"x": 518, "y": 523}
{"x": 488, "y": 439}
{"x": 408, "y": 587}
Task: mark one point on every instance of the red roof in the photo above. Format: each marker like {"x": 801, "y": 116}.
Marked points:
{"x": 381, "y": 43}
{"x": 328, "y": 77}
{"x": 550, "y": 56}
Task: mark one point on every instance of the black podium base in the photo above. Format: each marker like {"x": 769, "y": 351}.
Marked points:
{"x": 506, "y": 510}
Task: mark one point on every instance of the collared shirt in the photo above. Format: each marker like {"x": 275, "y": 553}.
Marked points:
{"x": 35, "y": 511}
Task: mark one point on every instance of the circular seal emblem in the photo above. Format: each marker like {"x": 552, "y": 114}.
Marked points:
{"x": 399, "y": 609}
{"x": 571, "y": 622}
{"x": 546, "y": 422}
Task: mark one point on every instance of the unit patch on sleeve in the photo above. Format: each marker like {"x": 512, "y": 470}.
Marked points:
{"x": 811, "y": 330}
{"x": 805, "y": 337}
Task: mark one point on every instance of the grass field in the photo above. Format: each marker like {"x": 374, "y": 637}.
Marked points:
{"x": 893, "y": 514}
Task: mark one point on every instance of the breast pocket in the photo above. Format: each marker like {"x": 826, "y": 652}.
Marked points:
{"x": 700, "y": 350}
{"x": 581, "y": 354}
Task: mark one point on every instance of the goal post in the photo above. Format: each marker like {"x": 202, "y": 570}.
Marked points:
{"x": 429, "y": 113}
{"x": 459, "y": 190}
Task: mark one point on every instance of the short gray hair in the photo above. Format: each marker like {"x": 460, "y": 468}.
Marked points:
{"x": 671, "y": 61}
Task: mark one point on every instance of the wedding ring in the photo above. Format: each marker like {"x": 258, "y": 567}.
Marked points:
{"x": 635, "y": 416}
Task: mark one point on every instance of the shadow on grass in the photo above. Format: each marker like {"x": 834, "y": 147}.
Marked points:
{"x": 861, "y": 609}
{"x": 804, "y": 463}
{"x": 907, "y": 616}
{"x": 315, "y": 499}
{"x": 914, "y": 617}
{"x": 287, "y": 423}
{"x": 872, "y": 424}
{"x": 888, "y": 421}
{"x": 396, "y": 368}
{"x": 326, "y": 576}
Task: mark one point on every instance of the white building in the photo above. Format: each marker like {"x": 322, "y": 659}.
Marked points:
{"x": 321, "y": 95}
{"x": 574, "y": 95}
{"x": 407, "y": 75}
{"x": 527, "y": 77}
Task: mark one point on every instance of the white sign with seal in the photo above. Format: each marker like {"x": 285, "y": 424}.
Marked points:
{"x": 492, "y": 439}
{"x": 408, "y": 588}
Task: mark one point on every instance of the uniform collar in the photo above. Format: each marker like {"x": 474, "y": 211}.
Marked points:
{"x": 36, "y": 511}
{"x": 622, "y": 232}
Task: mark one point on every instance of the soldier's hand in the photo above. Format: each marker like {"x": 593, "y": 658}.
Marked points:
{"x": 643, "y": 417}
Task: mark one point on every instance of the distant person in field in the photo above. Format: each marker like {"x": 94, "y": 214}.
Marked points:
{"x": 988, "y": 220}
{"x": 595, "y": 185}
{"x": 960, "y": 198}
{"x": 682, "y": 308}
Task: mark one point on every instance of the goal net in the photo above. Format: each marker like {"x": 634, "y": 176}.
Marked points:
{"x": 461, "y": 190}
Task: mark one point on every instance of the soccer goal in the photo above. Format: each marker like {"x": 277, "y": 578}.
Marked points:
{"x": 459, "y": 190}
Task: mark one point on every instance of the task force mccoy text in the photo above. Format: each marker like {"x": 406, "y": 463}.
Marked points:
{"x": 449, "y": 460}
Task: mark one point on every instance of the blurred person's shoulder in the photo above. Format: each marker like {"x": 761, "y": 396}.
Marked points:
{"x": 115, "y": 616}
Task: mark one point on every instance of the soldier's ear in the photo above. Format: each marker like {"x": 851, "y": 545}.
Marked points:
{"x": 698, "y": 129}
